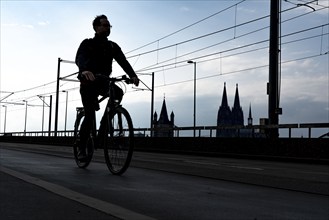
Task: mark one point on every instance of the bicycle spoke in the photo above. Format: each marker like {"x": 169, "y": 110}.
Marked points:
{"x": 119, "y": 147}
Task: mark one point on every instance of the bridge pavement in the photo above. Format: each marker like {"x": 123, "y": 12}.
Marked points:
{"x": 158, "y": 186}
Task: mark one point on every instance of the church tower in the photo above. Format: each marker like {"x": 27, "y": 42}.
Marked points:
{"x": 163, "y": 127}
{"x": 250, "y": 117}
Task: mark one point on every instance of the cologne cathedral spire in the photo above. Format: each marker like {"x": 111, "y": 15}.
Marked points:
{"x": 237, "y": 113}
{"x": 224, "y": 112}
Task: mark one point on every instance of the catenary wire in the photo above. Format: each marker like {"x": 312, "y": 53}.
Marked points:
{"x": 176, "y": 44}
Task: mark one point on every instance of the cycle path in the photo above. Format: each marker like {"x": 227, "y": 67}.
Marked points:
{"x": 27, "y": 197}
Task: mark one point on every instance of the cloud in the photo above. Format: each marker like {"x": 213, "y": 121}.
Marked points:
{"x": 247, "y": 10}
{"x": 304, "y": 111}
{"x": 184, "y": 9}
{"x": 304, "y": 82}
{"x": 10, "y": 25}
{"x": 28, "y": 26}
{"x": 43, "y": 23}
{"x": 15, "y": 25}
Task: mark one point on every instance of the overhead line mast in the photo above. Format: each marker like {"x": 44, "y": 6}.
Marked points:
{"x": 273, "y": 85}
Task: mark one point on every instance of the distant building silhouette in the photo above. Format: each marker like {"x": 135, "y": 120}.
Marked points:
{"x": 163, "y": 127}
{"x": 250, "y": 117}
{"x": 234, "y": 117}
{"x": 237, "y": 113}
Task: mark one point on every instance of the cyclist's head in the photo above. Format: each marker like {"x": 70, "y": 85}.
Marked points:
{"x": 101, "y": 25}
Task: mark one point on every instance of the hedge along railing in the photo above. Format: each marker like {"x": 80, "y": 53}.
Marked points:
{"x": 253, "y": 130}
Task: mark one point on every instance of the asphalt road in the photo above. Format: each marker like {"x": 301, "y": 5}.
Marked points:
{"x": 39, "y": 180}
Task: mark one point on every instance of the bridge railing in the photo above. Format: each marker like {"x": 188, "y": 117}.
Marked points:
{"x": 254, "y": 131}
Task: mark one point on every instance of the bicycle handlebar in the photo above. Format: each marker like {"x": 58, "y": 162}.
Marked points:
{"x": 122, "y": 78}
{"x": 116, "y": 79}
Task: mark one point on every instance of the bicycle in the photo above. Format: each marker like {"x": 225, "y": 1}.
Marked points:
{"x": 115, "y": 134}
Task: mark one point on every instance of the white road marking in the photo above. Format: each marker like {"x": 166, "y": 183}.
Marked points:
{"x": 106, "y": 207}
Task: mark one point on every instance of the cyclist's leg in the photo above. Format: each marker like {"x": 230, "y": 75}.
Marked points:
{"x": 85, "y": 129}
{"x": 88, "y": 97}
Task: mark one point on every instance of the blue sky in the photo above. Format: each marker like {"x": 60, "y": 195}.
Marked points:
{"x": 34, "y": 34}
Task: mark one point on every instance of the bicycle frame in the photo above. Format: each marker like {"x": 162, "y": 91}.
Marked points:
{"x": 115, "y": 134}
{"x": 111, "y": 105}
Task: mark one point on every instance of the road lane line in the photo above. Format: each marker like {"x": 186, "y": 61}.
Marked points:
{"x": 106, "y": 207}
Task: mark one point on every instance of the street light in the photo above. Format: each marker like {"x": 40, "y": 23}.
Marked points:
{"x": 194, "y": 107}
{"x": 43, "y": 106}
{"x": 43, "y": 111}
{"x": 25, "y": 117}
{"x": 67, "y": 93}
{"x": 4, "y": 127}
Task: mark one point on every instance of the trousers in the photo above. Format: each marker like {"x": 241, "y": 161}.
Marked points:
{"x": 89, "y": 92}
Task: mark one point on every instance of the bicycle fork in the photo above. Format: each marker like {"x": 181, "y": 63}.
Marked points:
{"x": 105, "y": 127}
{"x": 113, "y": 125}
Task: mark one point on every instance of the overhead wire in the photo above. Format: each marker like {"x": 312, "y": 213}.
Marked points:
{"x": 222, "y": 30}
{"x": 171, "y": 34}
{"x": 32, "y": 88}
{"x": 202, "y": 36}
{"x": 252, "y": 68}
{"x": 189, "y": 40}
{"x": 219, "y": 31}
{"x": 199, "y": 37}
{"x": 186, "y": 27}
{"x": 237, "y": 71}
{"x": 231, "y": 49}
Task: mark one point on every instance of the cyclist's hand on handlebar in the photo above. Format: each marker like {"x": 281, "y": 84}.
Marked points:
{"x": 135, "y": 80}
{"x": 88, "y": 75}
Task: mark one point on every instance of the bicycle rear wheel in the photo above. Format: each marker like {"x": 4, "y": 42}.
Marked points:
{"x": 90, "y": 144}
{"x": 119, "y": 141}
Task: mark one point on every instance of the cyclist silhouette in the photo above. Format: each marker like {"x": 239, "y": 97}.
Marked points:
{"x": 94, "y": 59}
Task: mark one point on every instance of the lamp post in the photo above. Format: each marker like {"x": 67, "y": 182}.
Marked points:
{"x": 50, "y": 107}
{"x": 4, "y": 127}
{"x": 50, "y": 104}
{"x": 194, "y": 105}
{"x": 67, "y": 93}
{"x": 43, "y": 112}
{"x": 25, "y": 117}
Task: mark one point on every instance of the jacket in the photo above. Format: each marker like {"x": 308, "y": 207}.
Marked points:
{"x": 97, "y": 54}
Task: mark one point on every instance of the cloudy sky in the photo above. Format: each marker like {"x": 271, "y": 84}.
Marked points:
{"x": 227, "y": 39}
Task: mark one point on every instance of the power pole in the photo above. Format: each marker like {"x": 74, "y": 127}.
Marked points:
{"x": 57, "y": 96}
{"x": 50, "y": 107}
{"x": 152, "y": 106}
{"x": 273, "y": 85}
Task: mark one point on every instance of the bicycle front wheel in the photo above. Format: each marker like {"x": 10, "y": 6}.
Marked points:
{"x": 119, "y": 141}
